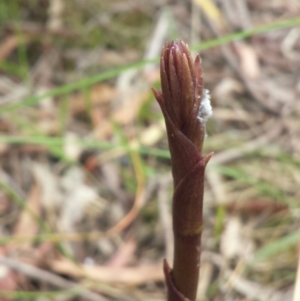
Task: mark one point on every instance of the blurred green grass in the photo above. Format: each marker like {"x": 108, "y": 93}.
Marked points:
{"x": 55, "y": 144}
{"x": 85, "y": 83}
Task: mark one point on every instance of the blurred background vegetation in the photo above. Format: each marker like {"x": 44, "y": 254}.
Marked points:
{"x": 85, "y": 184}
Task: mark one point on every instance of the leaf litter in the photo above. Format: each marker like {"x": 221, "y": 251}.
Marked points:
{"x": 97, "y": 220}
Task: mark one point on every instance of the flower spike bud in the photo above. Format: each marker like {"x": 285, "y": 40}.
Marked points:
{"x": 186, "y": 107}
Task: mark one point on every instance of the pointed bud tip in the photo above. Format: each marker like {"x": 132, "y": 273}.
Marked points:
{"x": 158, "y": 95}
{"x": 166, "y": 267}
{"x": 207, "y": 157}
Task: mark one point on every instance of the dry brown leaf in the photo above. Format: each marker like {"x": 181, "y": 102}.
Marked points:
{"x": 256, "y": 291}
{"x": 212, "y": 11}
{"x": 103, "y": 130}
{"x": 128, "y": 112}
{"x": 55, "y": 11}
{"x": 78, "y": 196}
{"x": 248, "y": 60}
{"x": 255, "y": 207}
{"x": 99, "y": 94}
{"x": 236, "y": 239}
{"x": 124, "y": 254}
{"x": 7, "y": 46}
{"x": 7, "y": 281}
{"x": 26, "y": 225}
{"x": 226, "y": 89}
{"x": 153, "y": 134}
{"x": 72, "y": 148}
{"x": 51, "y": 196}
{"x": 125, "y": 275}
{"x": 231, "y": 240}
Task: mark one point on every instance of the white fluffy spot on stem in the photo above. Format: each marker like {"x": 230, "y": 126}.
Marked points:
{"x": 205, "y": 109}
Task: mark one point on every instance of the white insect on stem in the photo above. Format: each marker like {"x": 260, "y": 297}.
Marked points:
{"x": 205, "y": 109}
